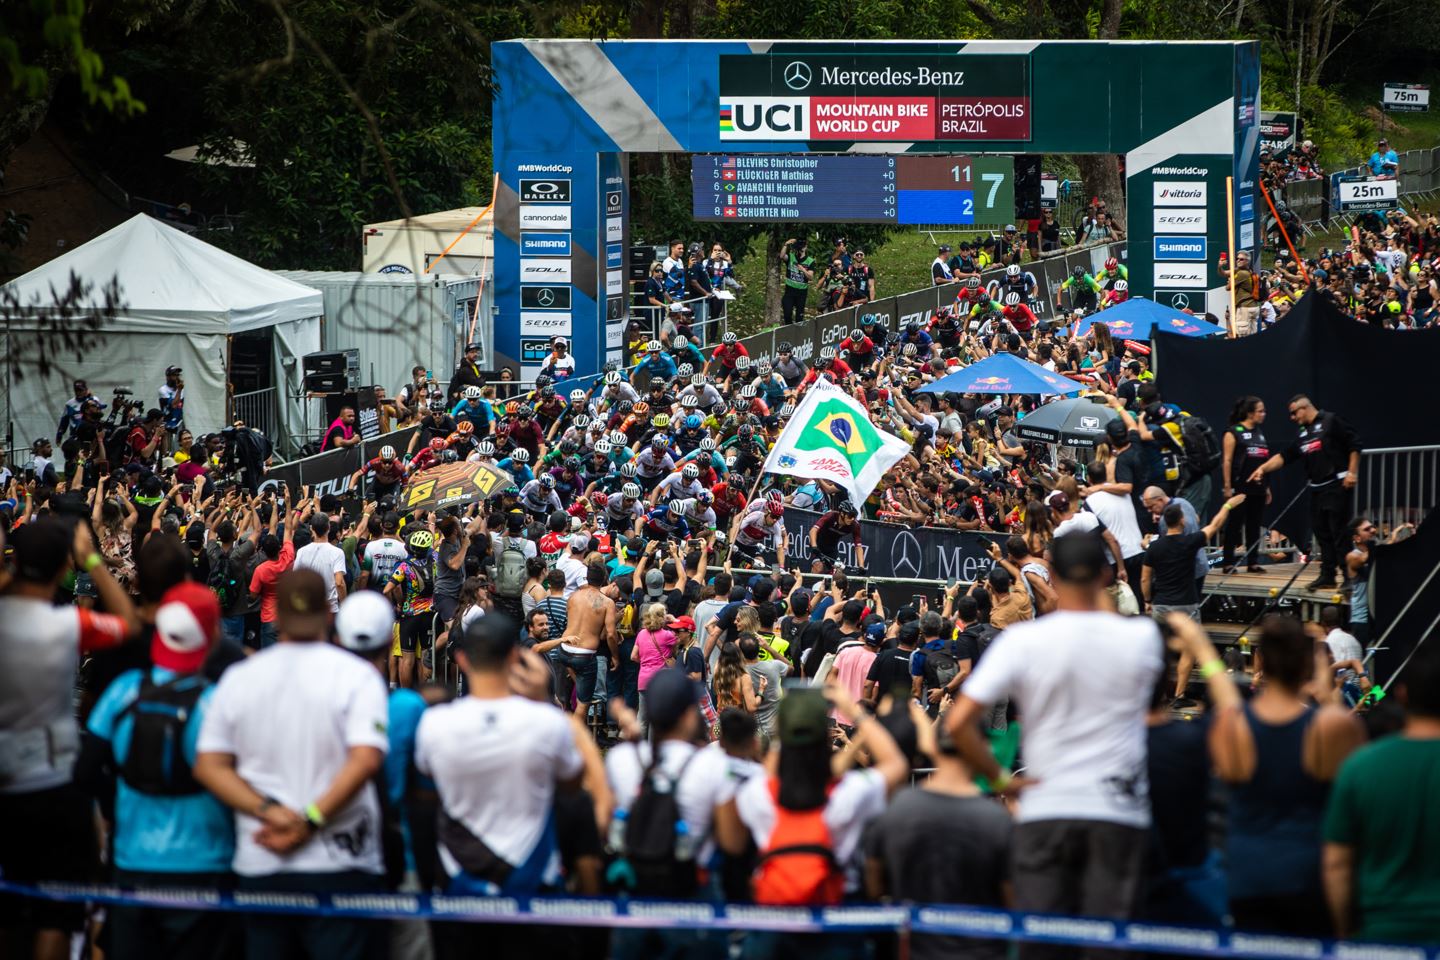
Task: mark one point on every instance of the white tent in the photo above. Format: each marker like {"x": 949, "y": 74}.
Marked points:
{"x": 180, "y": 299}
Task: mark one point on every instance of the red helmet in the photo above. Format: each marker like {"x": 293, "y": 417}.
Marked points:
{"x": 775, "y": 508}
{"x": 438, "y": 444}
{"x": 1111, "y": 263}
{"x": 599, "y": 499}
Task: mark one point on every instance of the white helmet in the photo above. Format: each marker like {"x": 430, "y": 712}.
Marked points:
{"x": 680, "y": 342}
{"x": 631, "y": 491}
{"x": 653, "y": 346}
{"x": 618, "y": 438}
{"x": 728, "y": 339}
{"x": 472, "y": 393}
{"x": 827, "y": 353}
{"x": 578, "y": 395}
{"x": 602, "y": 446}
{"x": 742, "y": 363}
{"x": 485, "y": 449}
{"x": 521, "y": 455}
{"x": 387, "y": 452}
{"x": 691, "y": 472}
{"x": 612, "y": 378}
{"x": 698, "y": 379}
{"x": 1012, "y": 299}
{"x": 1013, "y": 270}
{"x": 582, "y": 421}
{"x": 1121, "y": 285}
{"x": 708, "y": 444}
{"x": 684, "y": 370}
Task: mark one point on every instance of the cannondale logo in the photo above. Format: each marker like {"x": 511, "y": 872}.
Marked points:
{"x": 905, "y": 555}
{"x": 797, "y": 75}
{"x": 1180, "y": 301}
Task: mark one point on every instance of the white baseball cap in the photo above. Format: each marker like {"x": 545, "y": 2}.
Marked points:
{"x": 366, "y": 622}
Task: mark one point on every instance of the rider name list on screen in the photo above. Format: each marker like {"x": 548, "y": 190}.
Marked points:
{"x": 758, "y": 188}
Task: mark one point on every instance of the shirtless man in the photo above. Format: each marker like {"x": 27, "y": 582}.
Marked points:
{"x": 590, "y": 618}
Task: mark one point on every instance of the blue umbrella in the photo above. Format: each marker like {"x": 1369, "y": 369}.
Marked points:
{"x": 1003, "y": 373}
{"x": 1138, "y": 319}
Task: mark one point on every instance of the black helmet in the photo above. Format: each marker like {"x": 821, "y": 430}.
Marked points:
{"x": 847, "y": 509}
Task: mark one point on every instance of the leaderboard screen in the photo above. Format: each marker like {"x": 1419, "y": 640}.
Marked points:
{"x": 779, "y": 188}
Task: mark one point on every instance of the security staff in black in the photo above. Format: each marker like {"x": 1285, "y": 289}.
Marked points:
{"x": 1330, "y": 451}
{"x": 467, "y": 374}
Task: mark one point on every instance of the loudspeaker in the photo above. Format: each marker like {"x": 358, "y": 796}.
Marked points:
{"x": 331, "y": 371}
{"x": 1027, "y": 186}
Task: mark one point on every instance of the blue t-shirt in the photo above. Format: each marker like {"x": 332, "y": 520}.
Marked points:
{"x": 188, "y": 834}
{"x": 1384, "y": 163}
{"x": 406, "y": 706}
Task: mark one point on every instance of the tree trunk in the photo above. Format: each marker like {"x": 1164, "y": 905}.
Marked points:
{"x": 1110, "y": 19}
{"x": 1101, "y": 173}
{"x": 1239, "y": 13}
{"x": 20, "y": 117}
{"x": 772, "y": 278}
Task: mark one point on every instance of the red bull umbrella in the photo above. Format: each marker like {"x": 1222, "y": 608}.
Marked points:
{"x": 1139, "y": 319}
{"x": 1004, "y": 373}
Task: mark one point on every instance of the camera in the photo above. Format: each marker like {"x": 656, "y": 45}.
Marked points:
{"x": 124, "y": 392}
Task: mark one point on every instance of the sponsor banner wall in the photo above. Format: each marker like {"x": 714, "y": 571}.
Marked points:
{"x": 931, "y": 554}
{"x": 330, "y": 472}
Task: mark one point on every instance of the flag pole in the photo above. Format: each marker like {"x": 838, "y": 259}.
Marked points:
{"x": 1230, "y": 229}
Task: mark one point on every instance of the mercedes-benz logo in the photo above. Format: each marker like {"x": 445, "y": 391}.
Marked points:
{"x": 797, "y": 75}
{"x": 545, "y": 297}
{"x": 1180, "y": 301}
{"x": 905, "y": 555}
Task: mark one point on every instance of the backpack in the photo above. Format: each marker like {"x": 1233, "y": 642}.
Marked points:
{"x": 116, "y": 448}
{"x": 224, "y": 580}
{"x": 510, "y": 575}
{"x": 798, "y": 868}
{"x": 155, "y": 763}
{"x": 940, "y": 667}
{"x": 421, "y": 571}
{"x": 1202, "y": 447}
{"x": 657, "y": 843}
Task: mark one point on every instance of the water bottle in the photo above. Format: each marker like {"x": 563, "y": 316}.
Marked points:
{"x": 685, "y": 842}
{"x": 615, "y": 839}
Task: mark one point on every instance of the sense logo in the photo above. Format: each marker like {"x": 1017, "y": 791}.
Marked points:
{"x": 764, "y": 118}
{"x": 1179, "y": 221}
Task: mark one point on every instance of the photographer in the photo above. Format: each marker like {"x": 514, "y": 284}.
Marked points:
{"x": 71, "y": 414}
{"x": 798, "y": 268}
{"x": 835, "y": 285}
{"x": 142, "y": 442}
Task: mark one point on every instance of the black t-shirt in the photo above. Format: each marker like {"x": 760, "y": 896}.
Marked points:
{"x": 937, "y": 848}
{"x": 889, "y": 669}
{"x": 333, "y": 435}
{"x": 1324, "y": 447}
{"x": 1172, "y": 560}
{"x": 1179, "y": 794}
{"x": 677, "y": 602}
{"x": 831, "y": 637}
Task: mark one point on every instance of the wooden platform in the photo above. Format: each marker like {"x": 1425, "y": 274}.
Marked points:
{"x": 1271, "y": 582}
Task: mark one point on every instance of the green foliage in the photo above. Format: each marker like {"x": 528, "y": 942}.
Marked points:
{"x": 43, "y": 38}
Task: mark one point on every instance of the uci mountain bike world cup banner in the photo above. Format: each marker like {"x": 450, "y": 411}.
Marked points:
{"x": 875, "y": 97}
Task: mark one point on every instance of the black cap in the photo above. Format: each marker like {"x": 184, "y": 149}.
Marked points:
{"x": 41, "y": 548}
{"x": 1116, "y": 431}
{"x": 471, "y": 346}
{"x": 668, "y": 697}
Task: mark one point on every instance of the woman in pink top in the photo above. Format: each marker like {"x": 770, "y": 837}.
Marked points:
{"x": 654, "y": 649}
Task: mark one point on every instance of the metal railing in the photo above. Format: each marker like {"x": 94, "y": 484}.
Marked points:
{"x": 703, "y": 327}
{"x": 1397, "y": 485}
{"x": 258, "y": 409}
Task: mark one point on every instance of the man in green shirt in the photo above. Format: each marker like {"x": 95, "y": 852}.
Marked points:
{"x": 799, "y": 270}
{"x": 1382, "y": 838}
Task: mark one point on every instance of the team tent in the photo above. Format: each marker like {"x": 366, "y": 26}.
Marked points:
{"x": 1003, "y": 373}
{"x": 180, "y": 300}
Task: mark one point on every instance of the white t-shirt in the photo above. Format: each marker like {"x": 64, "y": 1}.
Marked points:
{"x": 706, "y": 783}
{"x": 1081, "y": 522}
{"x": 1344, "y": 645}
{"x": 857, "y": 799}
{"x": 1118, "y": 515}
{"x": 575, "y": 572}
{"x": 1083, "y": 681}
{"x": 290, "y": 715}
{"x": 382, "y": 556}
{"x": 327, "y": 560}
{"x": 495, "y": 764}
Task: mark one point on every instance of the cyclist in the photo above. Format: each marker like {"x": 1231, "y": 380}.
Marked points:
{"x": 389, "y": 473}
{"x": 827, "y": 533}
{"x": 1084, "y": 291}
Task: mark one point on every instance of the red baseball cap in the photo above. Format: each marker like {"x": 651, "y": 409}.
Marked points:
{"x": 187, "y": 622}
{"x": 682, "y": 623}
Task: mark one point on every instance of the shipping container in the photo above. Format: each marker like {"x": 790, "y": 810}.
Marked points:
{"x": 398, "y": 320}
